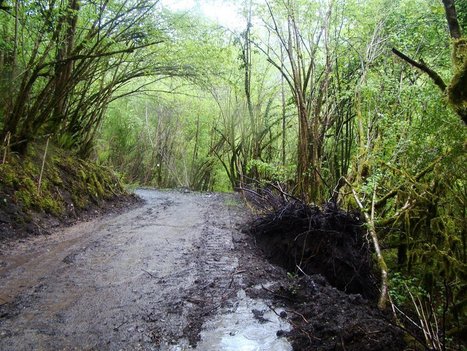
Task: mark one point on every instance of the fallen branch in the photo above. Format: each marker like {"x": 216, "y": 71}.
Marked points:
{"x": 370, "y": 220}
{"x": 274, "y": 294}
{"x": 6, "y": 144}
{"x": 300, "y": 315}
{"x": 285, "y": 194}
{"x": 232, "y": 276}
{"x": 429, "y": 328}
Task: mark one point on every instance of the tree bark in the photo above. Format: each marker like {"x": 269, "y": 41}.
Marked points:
{"x": 451, "y": 17}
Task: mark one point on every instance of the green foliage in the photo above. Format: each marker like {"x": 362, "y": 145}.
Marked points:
{"x": 272, "y": 172}
{"x": 401, "y": 288}
{"x": 71, "y": 67}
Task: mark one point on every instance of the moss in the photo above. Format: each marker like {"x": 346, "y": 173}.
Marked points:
{"x": 52, "y": 206}
{"x": 459, "y": 52}
{"x": 30, "y": 168}
{"x": 29, "y": 183}
{"x": 56, "y": 160}
{"x": 99, "y": 189}
{"x": 8, "y": 175}
{"x": 24, "y": 197}
{"x": 457, "y": 91}
{"x": 79, "y": 202}
{"x": 55, "y": 178}
{"x": 66, "y": 180}
{"x": 83, "y": 175}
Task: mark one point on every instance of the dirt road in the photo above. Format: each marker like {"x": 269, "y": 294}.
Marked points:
{"x": 148, "y": 279}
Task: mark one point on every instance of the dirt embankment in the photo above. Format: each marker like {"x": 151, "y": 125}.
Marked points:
{"x": 160, "y": 276}
{"x": 50, "y": 187}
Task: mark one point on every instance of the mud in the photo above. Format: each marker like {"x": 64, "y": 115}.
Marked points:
{"x": 176, "y": 273}
{"x": 144, "y": 280}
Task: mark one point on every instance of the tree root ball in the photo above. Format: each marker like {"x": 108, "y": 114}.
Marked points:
{"x": 328, "y": 241}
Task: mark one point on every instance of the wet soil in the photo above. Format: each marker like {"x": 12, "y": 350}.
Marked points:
{"x": 157, "y": 276}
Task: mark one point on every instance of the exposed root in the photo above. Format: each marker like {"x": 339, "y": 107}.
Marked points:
{"x": 309, "y": 240}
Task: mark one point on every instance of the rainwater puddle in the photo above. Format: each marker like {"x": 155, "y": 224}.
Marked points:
{"x": 237, "y": 329}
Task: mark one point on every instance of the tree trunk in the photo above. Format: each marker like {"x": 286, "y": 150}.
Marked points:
{"x": 284, "y": 137}
{"x": 63, "y": 70}
{"x": 303, "y": 155}
{"x": 451, "y": 17}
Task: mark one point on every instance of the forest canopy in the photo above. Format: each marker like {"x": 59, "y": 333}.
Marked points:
{"x": 362, "y": 103}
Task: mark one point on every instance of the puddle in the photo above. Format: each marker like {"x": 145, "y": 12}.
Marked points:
{"x": 237, "y": 329}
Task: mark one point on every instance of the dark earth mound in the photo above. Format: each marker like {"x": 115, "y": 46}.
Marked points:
{"x": 330, "y": 290}
{"x": 329, "y": 242}
{"x": 325, "y": 318}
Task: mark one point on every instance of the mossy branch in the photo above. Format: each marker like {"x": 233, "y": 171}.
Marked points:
{"x": 381, "y": 202}
{"x": 424, "y": 68}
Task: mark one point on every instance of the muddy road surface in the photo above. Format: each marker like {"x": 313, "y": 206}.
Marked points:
{"x": 164, "y": 276}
